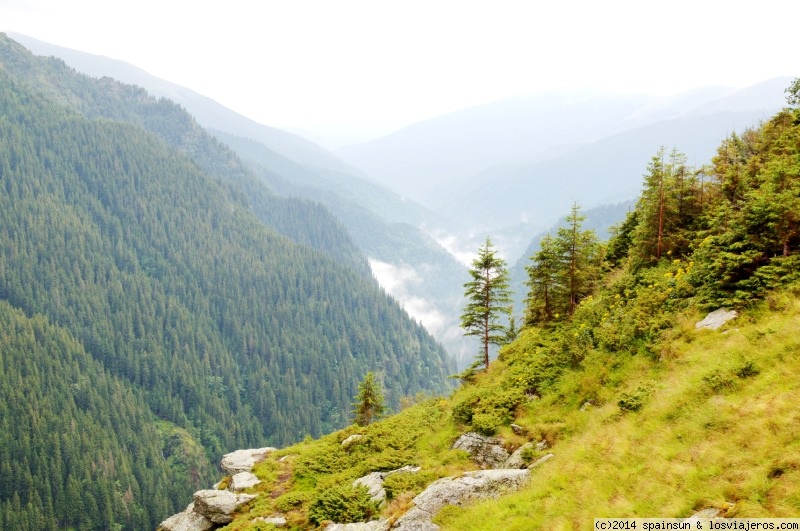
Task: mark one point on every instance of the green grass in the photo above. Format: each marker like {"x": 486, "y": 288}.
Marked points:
{"x": 716, "y": 423}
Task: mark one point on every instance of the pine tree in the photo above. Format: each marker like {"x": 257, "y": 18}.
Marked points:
{"x": 369, "y": 404}
{"x": 488, "y": 297}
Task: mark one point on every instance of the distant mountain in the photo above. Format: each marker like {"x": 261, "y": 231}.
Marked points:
{"x": 164, "y": 305}
{"x": 387, "y": 227}
{"x": 439, "y": 161}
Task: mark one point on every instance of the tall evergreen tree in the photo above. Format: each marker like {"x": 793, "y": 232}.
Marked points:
{"x": 488, "y": 298}
{"x": 369, "y": 405}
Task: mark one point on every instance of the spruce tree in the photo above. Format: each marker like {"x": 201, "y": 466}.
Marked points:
{"x": 488, "y": 297}
{"x": 369, "y": 404}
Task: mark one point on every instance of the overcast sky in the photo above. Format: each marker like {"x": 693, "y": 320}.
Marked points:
{"x": 369, "y": 67}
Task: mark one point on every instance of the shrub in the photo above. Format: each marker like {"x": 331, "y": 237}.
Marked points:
{"x": 414, "y": 482}
{"x": 634, "y": 400}
{"x": 343, "y": 504}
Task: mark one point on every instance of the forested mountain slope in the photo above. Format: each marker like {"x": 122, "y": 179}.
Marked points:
{"x": 143, "y": 265}
{"x": 384, "y": 225}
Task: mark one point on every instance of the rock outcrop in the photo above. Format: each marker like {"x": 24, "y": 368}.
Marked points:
{"x": 374, "y": 482}
{"x": 188, "y": 520}
{"x": 717, "y": 318}
{"x": 516, "y": 460}
{"x": 219, "y": 505}
{"x": 244, "y": 460}
{"x": 242, "y": 481}
{"x": 487, "y": 452}
{"x": 471, "y": 486}
{"x": 374, "y": 525}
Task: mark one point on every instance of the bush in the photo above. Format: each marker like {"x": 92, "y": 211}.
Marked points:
{"x": 634, "y": 400}
{"x": 414, "y": 482}
{"x": 291, "y": 500}
{"x": 343, "y": 504}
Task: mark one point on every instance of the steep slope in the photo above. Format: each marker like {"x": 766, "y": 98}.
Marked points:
{"x": 208, "y": 112}
{"x": 385, "y": 226}
{"x": 216, "y": 330}
{"x": 631, "y": 405}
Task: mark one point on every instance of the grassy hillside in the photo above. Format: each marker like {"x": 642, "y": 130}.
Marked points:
{"x": 646, "y": 415}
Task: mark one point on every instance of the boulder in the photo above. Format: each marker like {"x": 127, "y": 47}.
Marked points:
{"x": 277, "y": 521}
{"x": 244, "y": 460}
{"x": 519, "y": 430}
{"x": 374, "y": 525}
{"x": 711, "y": 512}
{"x": 541, "y": 460}
{"x": 471, "y": 486}
{"x": 716, "y": 319}
{"x": 487, "y": 452}
{"x": 516, "y": 460}
{"x": 243, "y": 480}
{"x": 374, "y": 482}
{"x": 219, "y": 505}
{"x": 347, "y": 443}
{"x": 188, "y": 520}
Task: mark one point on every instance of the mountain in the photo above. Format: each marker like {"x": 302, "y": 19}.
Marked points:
{"x": 639, "y": 403}
{"x": 159, "y": 306}
{"x": 511, "y": 168}
{"x": 388, "y": 228}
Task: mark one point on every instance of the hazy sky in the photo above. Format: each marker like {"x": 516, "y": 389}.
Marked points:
{"x": 372, "y": 66}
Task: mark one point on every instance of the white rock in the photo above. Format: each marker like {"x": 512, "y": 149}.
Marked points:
{"x": 374, "y": 525}
{"x": 471, "y": 486}
{"x": 277, "y": 521}
{"x": 219, "y": 505}
{"x": 516, "y": 460}
{"x": 244, "y": 460}
{"x": 351, "y": 440}
{"x": 541, "y": 460}
{"x": 484, "y": 451}
{"x": 243, "y": 480}
{"x": 716, "y": 319}
{"x": 188, "y": 520}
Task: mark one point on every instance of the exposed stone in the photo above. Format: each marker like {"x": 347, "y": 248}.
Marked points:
{"x": 277, "y": 521}
{"x": 587, "y": 405}
{"x": 710, "y": 512}
{"x": 374, "y": 525}
{"x": 244, "y": 460}
{"x": 219, "y": 505}
{"x": 716, "y": 319}
{"x": 374, "y": 482}
{"x": 541, "y": 460}
{"x": 243, "y": 480}
{"x": 471, "y": 486}
{"x": 484, "y": 451}
{"x": 516, "y": 460}
{"x": 188, "y": 520}
{"x": 518, "y": 430}
{"x": 347, "y": 443}
{"x": 542, "y": 445}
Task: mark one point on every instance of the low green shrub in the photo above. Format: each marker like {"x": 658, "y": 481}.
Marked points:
{"x": 343, "y": 504}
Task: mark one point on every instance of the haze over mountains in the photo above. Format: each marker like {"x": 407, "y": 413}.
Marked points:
{"x": 419, "y": 201}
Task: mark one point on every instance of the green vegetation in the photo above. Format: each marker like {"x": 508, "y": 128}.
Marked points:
{"x": 369, "y": 405}
{"x": 645, "y": 414}
{"x": 488, "y": 297}
{"x": 181, "y": 311}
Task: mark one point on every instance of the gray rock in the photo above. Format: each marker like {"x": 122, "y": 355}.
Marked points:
{"x": 716, "y": 319}
{"x": 243, "y": 480}
{"x": 518, "y": 430}
{"x": 516, "y": 460}
{"x": 188, "y": 520}
{"x": 277, "y": 521}
{"x": 471, "y": 486}
{"x": 347, "y": 443}
{"x": 541, "y": 460}
{"x": 219, "y": 505}
{"x": 542, "y": 445}
{"x": 711, "y": 512}
{"x": 244, "y": 460}
{"x": 374, "y": 482}
{"x": 486, "y": 452}
{"x": 374, "y": 525}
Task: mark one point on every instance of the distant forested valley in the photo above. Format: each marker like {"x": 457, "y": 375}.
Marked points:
{"x": 160, "y": 306}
